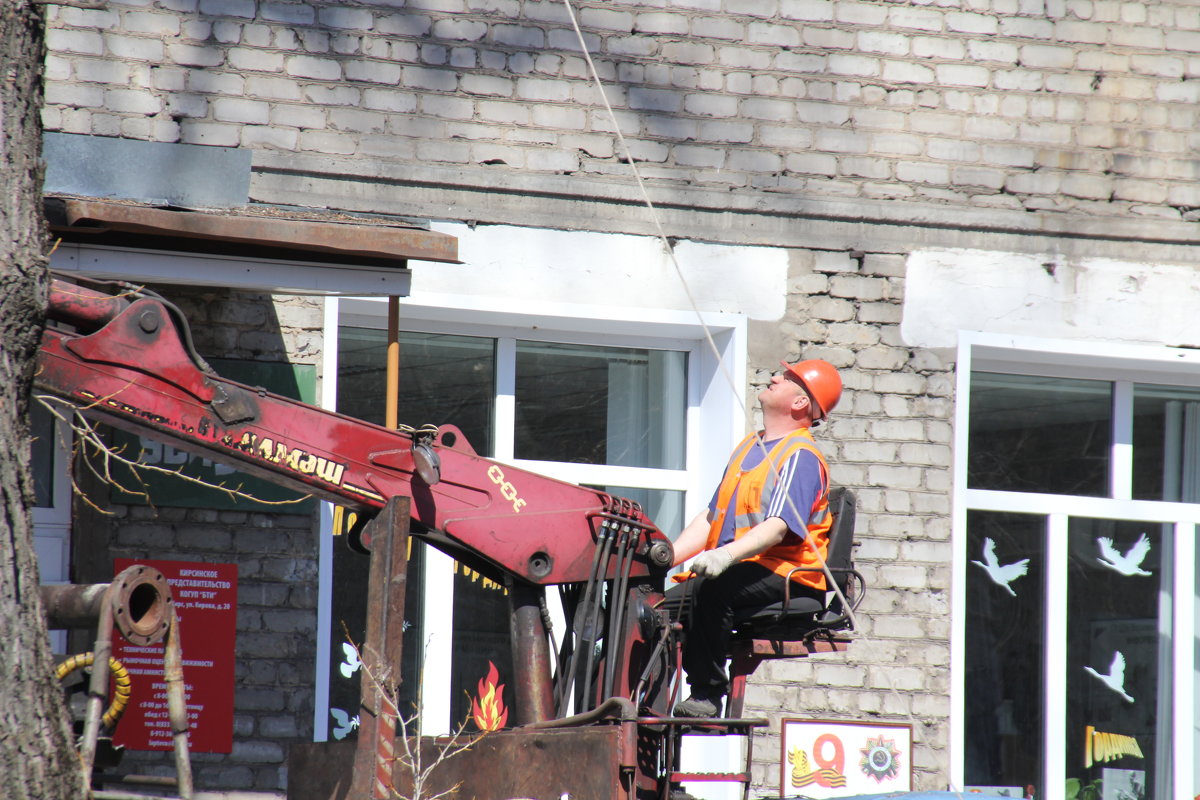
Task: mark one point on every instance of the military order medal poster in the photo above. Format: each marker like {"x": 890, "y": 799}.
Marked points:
{"x": 824, "y": 758}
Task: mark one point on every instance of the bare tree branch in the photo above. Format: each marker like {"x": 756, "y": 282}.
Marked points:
{"x": 88, "y": 438}
{"x": 410, "y": 755}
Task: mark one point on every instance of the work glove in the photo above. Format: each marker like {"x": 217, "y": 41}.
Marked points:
{"x": 712, "y": 563}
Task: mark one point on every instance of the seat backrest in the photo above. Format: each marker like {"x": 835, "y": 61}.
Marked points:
{"x": 839, "y": 556}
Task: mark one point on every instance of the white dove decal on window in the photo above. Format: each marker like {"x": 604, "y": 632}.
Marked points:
{"x": 1001, "y": 574}
{"x": 352, "y": 662}
{"x": 344, "y": 723}
{"x": 1127, "y": 563}
{"x": 1115, "y": 679}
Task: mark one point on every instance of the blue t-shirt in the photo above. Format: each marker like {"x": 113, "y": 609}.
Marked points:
{"x": 798, "y": 487}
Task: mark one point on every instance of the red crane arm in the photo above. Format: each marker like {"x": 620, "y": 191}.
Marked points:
{"x": 130, "y": 363}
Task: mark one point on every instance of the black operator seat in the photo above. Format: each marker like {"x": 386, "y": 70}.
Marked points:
{"x": 802, "y": 617}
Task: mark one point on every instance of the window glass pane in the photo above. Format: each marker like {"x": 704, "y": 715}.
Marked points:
{"x": 42, "y": 434}
{"x": 1046, "y": 435}
{"x": 1004, "y": 647}
{"x": 601, "y": 405}
{"x": 444, "y": 379}
{"x": 348, "y": 608}
{"x": 1166, "y": 443}
{"x": 1115, "y": 657}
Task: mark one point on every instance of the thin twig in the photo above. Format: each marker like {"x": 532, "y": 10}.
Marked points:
{"x": 86, "y": 434}
{"x": 378, "y": 674}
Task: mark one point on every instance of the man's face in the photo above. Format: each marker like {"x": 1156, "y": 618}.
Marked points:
{"x": 782, "y": 392}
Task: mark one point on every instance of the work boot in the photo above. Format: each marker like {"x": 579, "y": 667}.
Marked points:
{"x": 699, "y": 706}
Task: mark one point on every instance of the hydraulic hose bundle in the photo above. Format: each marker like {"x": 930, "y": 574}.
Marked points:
{"x": 602, "y": 611}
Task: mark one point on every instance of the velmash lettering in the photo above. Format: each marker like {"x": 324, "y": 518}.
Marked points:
{"x": 293, "y": 458}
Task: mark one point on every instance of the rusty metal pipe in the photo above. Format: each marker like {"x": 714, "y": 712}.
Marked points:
{"x": 613, "y": 708}
{"x": 531, "y": 655}
{"x": 177, "y": 706}
{"x": 139, "y": 604}
{"x": 73, "y": 605}
{"x": 138, "y": 600}
{"x": 98, "y": 687}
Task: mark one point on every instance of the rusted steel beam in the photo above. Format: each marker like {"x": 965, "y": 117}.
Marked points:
{"x": 381, "y": 649}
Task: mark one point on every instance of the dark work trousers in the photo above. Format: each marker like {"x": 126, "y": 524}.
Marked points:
{"x": 706, "y": 608}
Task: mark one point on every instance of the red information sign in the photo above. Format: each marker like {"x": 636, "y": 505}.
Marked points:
{"x": 206, "y": 602}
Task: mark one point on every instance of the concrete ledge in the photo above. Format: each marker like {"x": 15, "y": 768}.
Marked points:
{"x": 568, "y": 202}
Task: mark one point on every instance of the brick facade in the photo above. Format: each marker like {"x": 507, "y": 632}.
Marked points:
{"x": 1079, "y": 107}
{"x": 890, "y": 440}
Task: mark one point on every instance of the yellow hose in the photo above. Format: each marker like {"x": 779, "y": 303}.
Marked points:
{"x": 123, "y": 686}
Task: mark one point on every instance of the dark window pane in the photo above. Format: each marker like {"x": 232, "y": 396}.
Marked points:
{"x": 348, "y": 610}
{"x": 1046, "y": 435}
{"x": 42, "y": 432}
{"x": 601, "y": 405}
{"x": 1113, "y": 648}
{"x": 443, "y": 380}
{"x": 1166, "y": 443}
{"x": 481, "y": 640}
{"x": 1004, "y": 646}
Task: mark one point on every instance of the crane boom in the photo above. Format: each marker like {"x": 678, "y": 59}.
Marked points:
{"x": 129, "y": 361}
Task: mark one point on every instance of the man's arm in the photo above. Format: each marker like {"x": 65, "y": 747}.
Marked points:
{"x": 759, "y": 539}
{"x": 692, "y": 539}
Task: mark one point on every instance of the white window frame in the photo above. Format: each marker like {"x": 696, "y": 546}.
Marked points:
{"x": 1123, "y": 365}
{"x": 715, "y": 423}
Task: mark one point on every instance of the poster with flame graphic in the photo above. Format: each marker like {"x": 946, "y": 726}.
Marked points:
{"x": 487, "y": 707}
{"x": 827, "y": 758}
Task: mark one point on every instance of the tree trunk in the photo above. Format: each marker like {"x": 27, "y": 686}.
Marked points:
{"x": 37, "y": 757}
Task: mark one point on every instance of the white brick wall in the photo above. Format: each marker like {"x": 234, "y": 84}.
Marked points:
{"x": 999, "y": 72}
{"x": 889, "y": 440}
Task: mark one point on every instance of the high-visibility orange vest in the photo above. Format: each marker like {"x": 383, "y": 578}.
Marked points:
{"x": 753, "y": 490}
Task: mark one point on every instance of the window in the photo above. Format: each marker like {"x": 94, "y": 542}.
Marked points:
{"x": 636, "y": 413}
{"x": 1166, "y": 443}
{"x": 1035, "y": 434}
{"x": 444, "y": 378}
{"x": 1073, "y": 658}
{"x": 52, "y": 506}
{"x": 600, "y": 405}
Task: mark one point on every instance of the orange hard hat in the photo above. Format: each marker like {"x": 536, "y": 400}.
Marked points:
{"x": 822, "y": 382}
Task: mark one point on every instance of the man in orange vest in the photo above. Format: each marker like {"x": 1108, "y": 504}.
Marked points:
{"x": 774, "y": 495}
